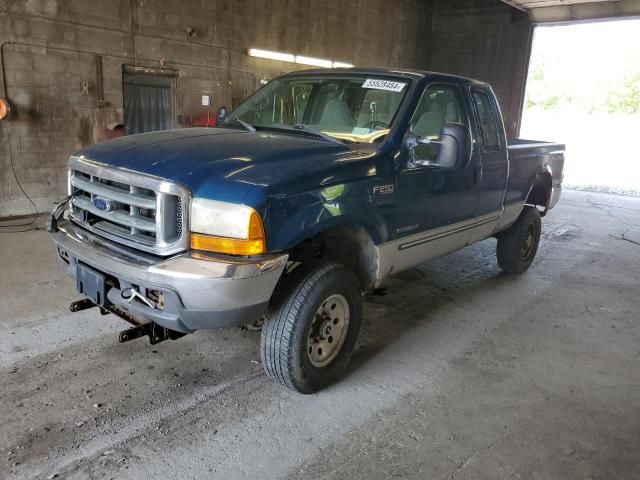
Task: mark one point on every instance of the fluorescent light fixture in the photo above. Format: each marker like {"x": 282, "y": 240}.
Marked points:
{"x": 301, "y": 59}
{"x": 283, "y": 57}
{"x": 318, "y": 62}
{"x": 342, "y": 65}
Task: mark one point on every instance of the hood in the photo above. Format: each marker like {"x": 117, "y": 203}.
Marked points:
{"x": 225, "y": 164}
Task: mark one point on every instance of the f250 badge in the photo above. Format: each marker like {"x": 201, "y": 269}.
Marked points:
{"x": 383, "y": 189}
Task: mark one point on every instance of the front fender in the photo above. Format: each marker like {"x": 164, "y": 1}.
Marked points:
{"x": 292, "y": 219}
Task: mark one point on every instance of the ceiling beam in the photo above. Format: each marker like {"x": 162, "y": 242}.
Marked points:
{"x": 586, "y": 12}
{"x": 515, "y": 4}
{"x": 581, "y": 12}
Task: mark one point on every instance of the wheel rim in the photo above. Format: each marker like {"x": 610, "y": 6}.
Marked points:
{"x": 528, "y": 243}
{"x": 328, "y": 330}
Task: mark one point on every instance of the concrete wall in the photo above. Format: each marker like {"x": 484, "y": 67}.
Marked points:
{"x": 486, "y": 40}
{"x": 51, "y": 49}
{"x": 63, "y": 61}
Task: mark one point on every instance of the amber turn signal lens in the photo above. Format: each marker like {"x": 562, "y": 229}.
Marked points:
{"x": 231, "y": 246}
{"x": 256, "y": 230}
{"x": 254, "y": 245}
{"x": 4, "y": 108}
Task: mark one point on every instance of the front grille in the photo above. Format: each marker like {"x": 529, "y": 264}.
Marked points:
{"x": 137, "y": 210}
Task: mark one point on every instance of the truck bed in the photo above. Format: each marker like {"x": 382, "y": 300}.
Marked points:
{"x": 527, "y": 158}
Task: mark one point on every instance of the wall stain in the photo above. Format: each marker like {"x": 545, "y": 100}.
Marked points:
{"x": 84, "y": 133}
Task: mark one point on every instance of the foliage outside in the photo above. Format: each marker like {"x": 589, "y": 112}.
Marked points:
{"x": 592, "y": 68}
{"x": 584, "y": 92}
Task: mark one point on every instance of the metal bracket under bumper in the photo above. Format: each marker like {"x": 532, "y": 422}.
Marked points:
{"x": 155, "y": 332}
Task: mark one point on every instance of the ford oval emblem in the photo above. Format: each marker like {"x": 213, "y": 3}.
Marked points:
{"x": 103, "y": 204}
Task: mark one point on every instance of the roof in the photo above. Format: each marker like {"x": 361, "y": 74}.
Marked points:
{"x": 402, "y": 72}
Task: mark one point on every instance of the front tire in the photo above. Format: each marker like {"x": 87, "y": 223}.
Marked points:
{"x": 309, "y": 335}
{"x": 517, "y": 246}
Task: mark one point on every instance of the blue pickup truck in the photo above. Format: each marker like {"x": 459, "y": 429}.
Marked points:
{"x": 307, "y": 197}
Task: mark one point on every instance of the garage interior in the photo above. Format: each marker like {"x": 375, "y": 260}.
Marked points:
{"x": 461, "y": 371}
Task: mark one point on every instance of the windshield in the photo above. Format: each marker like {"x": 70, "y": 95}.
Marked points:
{"x": 351, "y": 108}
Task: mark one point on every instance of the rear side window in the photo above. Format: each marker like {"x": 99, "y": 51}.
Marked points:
{"x": 487, "y": 121}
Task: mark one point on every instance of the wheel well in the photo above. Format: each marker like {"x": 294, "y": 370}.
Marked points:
{"x": 349, "y": 245}
{"x": 540, "y": 194}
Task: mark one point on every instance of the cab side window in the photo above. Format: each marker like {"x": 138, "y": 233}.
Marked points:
{"x": 439, "y": 104}
{"x": 487, "y": 121}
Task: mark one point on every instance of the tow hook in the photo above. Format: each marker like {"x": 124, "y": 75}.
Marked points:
{"x": 155, "y": 332}
{"x": 133, "y": 294}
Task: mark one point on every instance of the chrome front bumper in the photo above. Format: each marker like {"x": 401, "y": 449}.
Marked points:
{"x": 200, "y": 290}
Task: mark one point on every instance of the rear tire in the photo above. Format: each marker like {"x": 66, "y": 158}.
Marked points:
{"x": 310, "y": 333}
{"x": 517, "y": 246}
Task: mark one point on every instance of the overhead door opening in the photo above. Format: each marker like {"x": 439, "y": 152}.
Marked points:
{"x": 148, "y": 102}
{"x": 583, "y": 89}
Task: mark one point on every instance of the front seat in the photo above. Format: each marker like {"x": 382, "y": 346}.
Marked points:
{"x": 336, "y": 115}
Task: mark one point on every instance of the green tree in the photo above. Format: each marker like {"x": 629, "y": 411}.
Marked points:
{"x": 626, "y": 98}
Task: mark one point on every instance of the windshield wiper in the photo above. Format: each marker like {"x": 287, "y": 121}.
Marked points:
{"x": 311, "y": 131}
{"x": 245, "y": 125}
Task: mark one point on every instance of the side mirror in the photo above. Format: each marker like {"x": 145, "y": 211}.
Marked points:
{"x": 221, "y": 115}
{"x": 453, "y": 148}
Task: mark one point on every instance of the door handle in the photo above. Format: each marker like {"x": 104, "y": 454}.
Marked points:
{"x": 477, "y": 175}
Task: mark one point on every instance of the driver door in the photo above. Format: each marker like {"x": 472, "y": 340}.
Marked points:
{"x": 432, "y": 197}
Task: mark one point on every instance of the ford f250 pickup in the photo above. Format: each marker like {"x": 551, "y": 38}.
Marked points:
{"x": 308, "y": 196}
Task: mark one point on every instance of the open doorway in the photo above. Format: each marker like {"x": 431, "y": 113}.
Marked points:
{"x": 584, "y": 90}
{"x": 148, "y": 101}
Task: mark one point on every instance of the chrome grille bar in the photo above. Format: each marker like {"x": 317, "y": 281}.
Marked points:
{"x": 114, "y": 193}
{"x": 112, "y": 229}
{"x": 120, "y": 216}
{"x": 143, "y": 212}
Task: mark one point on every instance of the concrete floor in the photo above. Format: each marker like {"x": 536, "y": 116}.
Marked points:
{"x": 462, "y": 373}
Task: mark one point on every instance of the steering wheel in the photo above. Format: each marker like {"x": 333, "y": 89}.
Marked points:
{"x": 371, "y": 125}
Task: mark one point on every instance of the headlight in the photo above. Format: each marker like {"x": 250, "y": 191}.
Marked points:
{"x": 226, "y": 228}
